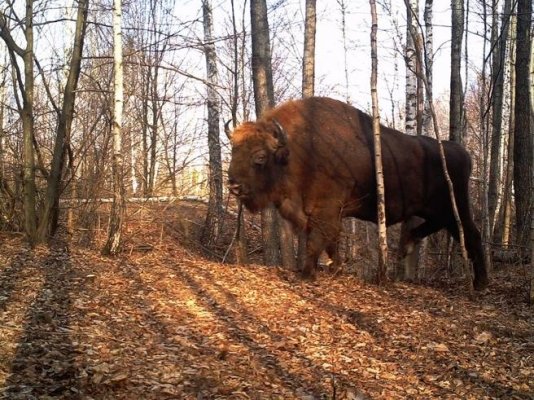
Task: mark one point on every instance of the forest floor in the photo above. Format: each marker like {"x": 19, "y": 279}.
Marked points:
{"x": 162, "y": 322}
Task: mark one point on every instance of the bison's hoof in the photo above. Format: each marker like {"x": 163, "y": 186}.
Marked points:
{"x": 480, "y": 284}
{"x": 307, "y": 275}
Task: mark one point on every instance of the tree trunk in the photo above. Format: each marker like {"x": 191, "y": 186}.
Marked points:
{"x": 429, "y": 65}
{"x": 262, "y": 77}
{"x": 484, "y": 138}
{"x": 308, "y": 59}
{"x": 380, "y": 191}
{"x": 522, "y": 135}
{"x": 531, "y": 295}
{"x": 144, "y": 131}
{"x": 153, "y": 127}
{"x": 497, "y": 79}
{"x": 308, "y": 90}
{"x": 407, "y": 269}
{"x": 262, "y": 73}
{"x": 343, "y": 9}
{"x": 456, "y": 116}
{"x": 30, "y": 218}
{"x": 466, "y": 265}
{"x": 241, "y": 253}
{"x": 113, "y": 244}
{"x": 49, "y": 217}
{"x": 5, "y": 192}
{"x": 507, "y": 200}
{"x": 212, "y": 224}
{"x": 411, "y": 68}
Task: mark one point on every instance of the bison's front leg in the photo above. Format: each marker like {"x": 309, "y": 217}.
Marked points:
{"x": 322, "y": 235}
{"x": 332, "y": 249}
{"x": 315, "y": 244}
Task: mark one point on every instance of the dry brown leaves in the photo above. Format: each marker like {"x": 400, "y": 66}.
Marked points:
{"x": 166, "y": 324}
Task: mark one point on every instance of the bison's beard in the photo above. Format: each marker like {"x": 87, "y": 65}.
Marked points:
{"x": 255, "y": 203}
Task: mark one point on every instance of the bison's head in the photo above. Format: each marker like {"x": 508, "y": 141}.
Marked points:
{"x": 259, "y": 155}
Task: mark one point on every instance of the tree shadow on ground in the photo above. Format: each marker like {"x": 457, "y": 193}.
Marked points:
{"x": 45, "y": 362}
{"x": 11, "y": 275}
{"x": 230, "y": 320}
{"x": 235, "y": 316}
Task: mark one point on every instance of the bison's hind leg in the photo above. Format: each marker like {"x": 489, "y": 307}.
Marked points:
{"x": 412, "y": 234}
{"x": 473, "y": 245}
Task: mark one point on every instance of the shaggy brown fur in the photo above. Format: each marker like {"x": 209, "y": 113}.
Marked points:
{"x": 317, "y": 165}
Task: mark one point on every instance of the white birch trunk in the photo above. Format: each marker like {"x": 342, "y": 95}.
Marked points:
{"x": 380, "y": 190}
{"x": 429, "y": 65}
{"x": 114, "y": 240}
{"x": 411, "y": 67}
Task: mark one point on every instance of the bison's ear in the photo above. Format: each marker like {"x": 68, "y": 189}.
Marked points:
{"x": 281, "y": 155}
{"x": 282, "y": 152}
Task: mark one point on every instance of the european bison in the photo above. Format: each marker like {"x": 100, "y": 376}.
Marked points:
{"x": 313, "y": 158}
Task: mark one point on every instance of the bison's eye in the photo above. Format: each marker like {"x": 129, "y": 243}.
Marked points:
{"x": 260, "y": 158}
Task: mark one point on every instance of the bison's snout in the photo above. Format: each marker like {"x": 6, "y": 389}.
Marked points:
{"x": 235, "y": 188}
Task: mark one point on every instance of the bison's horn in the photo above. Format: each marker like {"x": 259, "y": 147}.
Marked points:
{"x": 227, "y": 129}
{"x": 280, "y": 133}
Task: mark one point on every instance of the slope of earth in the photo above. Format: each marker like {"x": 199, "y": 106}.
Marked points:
{"x": 167, "y": 324}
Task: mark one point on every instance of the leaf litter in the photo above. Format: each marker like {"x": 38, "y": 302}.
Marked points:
{"x": 168, "y": 324}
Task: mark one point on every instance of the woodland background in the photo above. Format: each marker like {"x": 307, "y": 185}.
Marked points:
{"x": 137, "y": 170}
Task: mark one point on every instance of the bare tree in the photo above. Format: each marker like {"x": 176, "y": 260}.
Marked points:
{"x": 456, "y": 115}
{"x": 49, "y": 216}
{"x": 25, "y": 82}
{"x": 214, "y": 214}
{"x": 461, "y": 237}
{"x": 522, "y": 134}
{"x": 240, "y": 234}
{"x": 509, "y": 171}
{"x": 113, "y": 243}
{"x": 308, "y": 59}
{"x": 429, "y": 65}
{"x": 308, "y": 90}
{"x": 343, "y": 9}
{"x": 380, "y": 191}
{"x": 262, "y": 77}
{"x": 413, "y": 122}
{"x": 484, "y": 132}
{"x": 531, "y": 294}
{"x": 498, "y": 41}
{"x": 411, "y": 126}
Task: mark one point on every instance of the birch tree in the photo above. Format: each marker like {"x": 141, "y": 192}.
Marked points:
{"x": 113, "y": 243}
{"x": 308, "y": 89}
{"x": 509, "y": 171}
{"x": 411, "y": 69}
{"x": 428, "y": 65}
{"x": 308, "y": 59}
{"x": 380, "y": 191}
{"x": 456, "y": 114}
{"x": 415, "y": 108}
